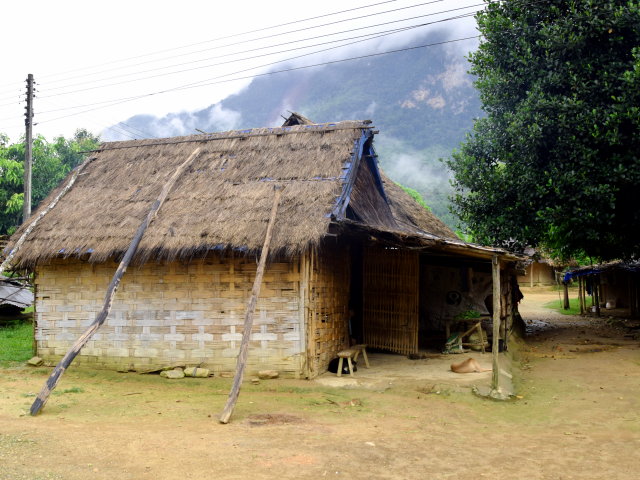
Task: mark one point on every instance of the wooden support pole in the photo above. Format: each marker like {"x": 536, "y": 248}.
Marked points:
{"x": 596, "y": 293}
{"x": 495, "y": 271}
{"x": 248, "y": 318}
{"x": 35, "y": 221}
{"x": 531, "y": 273}
{"x": 565, "y": 302}
{"x": 580, "y": 296}
{"x": 54, "y": 378}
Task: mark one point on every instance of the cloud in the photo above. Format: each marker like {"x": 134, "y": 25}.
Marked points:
{"x": 223, "y": 119}
{"x": 214, "y": 119}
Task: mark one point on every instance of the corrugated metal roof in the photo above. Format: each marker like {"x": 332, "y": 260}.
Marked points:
{"x": 15, "y": 294}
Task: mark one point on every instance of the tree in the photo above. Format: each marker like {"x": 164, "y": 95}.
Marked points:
{"x": 556, "y": 160}
{"x": 51, "y": 164}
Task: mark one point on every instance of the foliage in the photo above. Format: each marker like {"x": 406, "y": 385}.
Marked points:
{"x": 51, "y": 163}
{"x": 16, "y": 343}
{"x": 415, "y": 195}
{"x": 468, "y": 315}
{"x": 556, "y": 161}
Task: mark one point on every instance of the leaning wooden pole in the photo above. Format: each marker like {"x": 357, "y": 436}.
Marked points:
{"x": 495, "y": 380}
{"x": 35, "y": 221}
{"x": 248, "y": 318}
{"x": 54, "y": 378}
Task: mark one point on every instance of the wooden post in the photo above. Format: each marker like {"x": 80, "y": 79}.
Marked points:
{"x": 495, "y": 271}
{"x": 596, "y": 293}
{"x": 580, "y": 295}
{"x": 35, "y": 221}
{"x": 248, "y": 319}
{"x": 565, "y": 302}
{"x": 54, "y": 378}
{"x": 531, "y": 273}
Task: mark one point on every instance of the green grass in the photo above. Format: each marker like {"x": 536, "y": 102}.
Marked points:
{"x": 574, "y": 307}
{"x": 16, "y": 343}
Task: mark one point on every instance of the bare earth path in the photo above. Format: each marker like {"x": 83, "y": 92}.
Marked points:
{"x": 579, "y": 417}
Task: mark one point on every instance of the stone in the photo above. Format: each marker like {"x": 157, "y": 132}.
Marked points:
{"x": 225, "y": 375}
{"x": 267, "y": 374}
{"x": 255, "y": 381}
{"x": 35, "y": 361}
{"x": 196, "y": 372}
{"x": 172, "y": 374}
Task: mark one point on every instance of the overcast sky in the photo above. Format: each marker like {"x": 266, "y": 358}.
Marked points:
{"x": 96, "y": 64}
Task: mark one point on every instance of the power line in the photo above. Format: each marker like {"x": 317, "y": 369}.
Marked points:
{"x": 214, "y": 39}
{"x": 256, "y": 39}
{"x": 247, "y": 33}
{"x": 272, "y": 73}
{"x": 250, "y": 50}
{"x": 128, "y": 130}
{"x": 280, "y": 61}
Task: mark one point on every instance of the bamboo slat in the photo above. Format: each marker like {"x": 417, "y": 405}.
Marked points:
{"x": 390, "y": 290}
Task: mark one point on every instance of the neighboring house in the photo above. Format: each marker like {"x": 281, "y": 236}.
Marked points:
{"x": 353, "y": 256}
{"x": 539, "y": 271}
{"x": 14, "y": 296}
{"x": 613, "y": 285}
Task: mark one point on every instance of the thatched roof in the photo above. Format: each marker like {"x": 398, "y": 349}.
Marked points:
{"x": 224, "y": 198}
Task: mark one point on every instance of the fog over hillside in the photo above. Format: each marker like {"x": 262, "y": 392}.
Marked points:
{"x": 422, "y": 101}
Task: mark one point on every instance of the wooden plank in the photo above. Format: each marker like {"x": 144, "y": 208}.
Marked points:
{"x": 57, "y": 373}
{"x": 248, "y": 319}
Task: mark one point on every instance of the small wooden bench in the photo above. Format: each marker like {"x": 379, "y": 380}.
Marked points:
{"x": 352, "y": 354}
{"x": 361, "y": 347}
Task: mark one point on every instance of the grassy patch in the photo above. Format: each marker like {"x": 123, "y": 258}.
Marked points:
{"x": 574, "y": 306}
{"x": 16, "y": 344}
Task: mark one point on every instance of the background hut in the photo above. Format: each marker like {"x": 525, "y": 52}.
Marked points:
{"x": 614, "y": 286}
{"x": 349, "y": 255}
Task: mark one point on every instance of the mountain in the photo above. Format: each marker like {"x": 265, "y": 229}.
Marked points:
{"x": 421, "y": 100}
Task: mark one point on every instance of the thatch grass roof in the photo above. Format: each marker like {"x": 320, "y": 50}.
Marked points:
{"x": 222, "y": 201}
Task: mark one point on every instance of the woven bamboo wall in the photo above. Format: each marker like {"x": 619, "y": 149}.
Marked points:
{"x": 327, "y": 304}
{"x": 390, "y": 314}
{"x": 164, "y": 314}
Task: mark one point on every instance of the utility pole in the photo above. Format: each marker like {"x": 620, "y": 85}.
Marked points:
{"x": 28, "y": 150}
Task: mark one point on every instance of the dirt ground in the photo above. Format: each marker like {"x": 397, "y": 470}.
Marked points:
{"x": 578, "y": 416}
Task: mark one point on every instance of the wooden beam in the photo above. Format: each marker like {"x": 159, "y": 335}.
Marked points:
{"x": 35, "y": 221}
{"x": 248, "y": 319}
{"x": 54, "y": 378}
{"x": 495, "y": 271}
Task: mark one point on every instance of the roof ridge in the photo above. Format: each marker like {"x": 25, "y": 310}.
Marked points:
{"x": 230, "y": 134}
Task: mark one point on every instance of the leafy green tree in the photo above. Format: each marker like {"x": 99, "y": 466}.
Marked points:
{"x": 51, "y": 164}
{"x": 556, "y": 160}
{"x": 72, "y": 150}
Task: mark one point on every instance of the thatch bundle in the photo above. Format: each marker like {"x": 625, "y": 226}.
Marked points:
{"x": 223, "y": 200}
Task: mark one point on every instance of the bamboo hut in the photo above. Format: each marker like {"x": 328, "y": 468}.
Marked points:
{"x": 352, "y": 257}
{"x": 612, "y": 286}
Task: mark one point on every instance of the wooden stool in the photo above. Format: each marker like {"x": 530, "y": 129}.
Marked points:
{"x": 348, "y": 354}
{"x": 361, "y": 347}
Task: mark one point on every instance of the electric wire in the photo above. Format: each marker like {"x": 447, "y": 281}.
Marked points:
{"x": 269, "y": 36}
{"x": 275, "y": 35}
{"x": 228, "y": 36}
{"x": 276, "y": 72}
{"x": 254, "y": 67}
